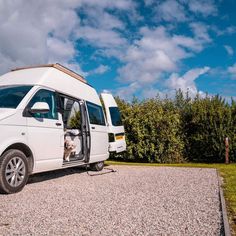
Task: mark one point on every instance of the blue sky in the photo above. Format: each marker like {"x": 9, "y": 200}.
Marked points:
{"x": 127, "y": 47}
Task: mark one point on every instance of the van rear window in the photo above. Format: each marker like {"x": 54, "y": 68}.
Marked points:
{"x": 11, "y": 96}
{"x": 115, "y": 116}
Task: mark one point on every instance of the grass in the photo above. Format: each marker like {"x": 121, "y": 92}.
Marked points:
{"x": 228, "y": 172}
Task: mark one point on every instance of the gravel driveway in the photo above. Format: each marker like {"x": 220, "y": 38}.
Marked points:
{"x": 131, "y": 201}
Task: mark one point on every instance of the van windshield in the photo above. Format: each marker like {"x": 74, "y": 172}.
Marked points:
{"x": 11, "y": 96}
{"x": 115, "y": 116}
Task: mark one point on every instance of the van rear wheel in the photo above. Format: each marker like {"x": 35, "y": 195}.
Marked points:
{"x": 14, "y": 171}
{"x": 98, "y": 166}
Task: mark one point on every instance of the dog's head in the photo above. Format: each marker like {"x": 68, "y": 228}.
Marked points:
{"x": 69, "y": 144}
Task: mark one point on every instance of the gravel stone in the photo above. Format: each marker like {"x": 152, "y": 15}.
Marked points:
{"x": 131, "y": 201}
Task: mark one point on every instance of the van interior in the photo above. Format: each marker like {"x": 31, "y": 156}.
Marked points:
{"x": 72, "y": 122}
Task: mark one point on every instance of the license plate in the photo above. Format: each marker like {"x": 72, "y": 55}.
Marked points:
{"x": 119, "y": 137}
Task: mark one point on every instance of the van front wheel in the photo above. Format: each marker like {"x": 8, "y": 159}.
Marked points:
{"x": 13, "y": 171}
{"x": 98, "y": 166}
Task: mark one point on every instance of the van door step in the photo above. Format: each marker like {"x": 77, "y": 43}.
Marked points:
{"x": 73, "y": 163}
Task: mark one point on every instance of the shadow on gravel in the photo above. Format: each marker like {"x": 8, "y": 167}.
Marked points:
{"x": 44, "y": 176}
{"x": 40, "y": 177}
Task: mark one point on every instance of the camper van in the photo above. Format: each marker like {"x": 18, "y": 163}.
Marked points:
{"x": 51, "y": 118}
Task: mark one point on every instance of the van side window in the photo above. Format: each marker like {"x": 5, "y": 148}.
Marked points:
{"x": 96, "y": 115}
{"x": 71, "y": 113}
{"x": 47, "y": 96}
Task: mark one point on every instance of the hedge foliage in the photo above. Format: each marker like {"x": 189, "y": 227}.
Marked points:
{"x": 178, "y": 130}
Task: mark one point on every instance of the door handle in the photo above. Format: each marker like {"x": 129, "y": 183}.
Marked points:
{"x": 93, "y": 127}
{"x": 58, "y": 124}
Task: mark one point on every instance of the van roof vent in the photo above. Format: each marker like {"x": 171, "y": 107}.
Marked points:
{"x": 56, "y": 66}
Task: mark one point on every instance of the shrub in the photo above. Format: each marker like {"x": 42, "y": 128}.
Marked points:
{"x": 177, "y": 130}
{"x": 152, "y": 131}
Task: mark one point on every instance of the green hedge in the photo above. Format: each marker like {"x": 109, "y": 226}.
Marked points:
{"x": 178, "y": 130}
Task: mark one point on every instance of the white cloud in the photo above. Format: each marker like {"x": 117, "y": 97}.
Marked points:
{"x": 59, "y": 49}
{"x": 229, "y": 30}
{"x": 171, "y": 10}
{"x": 155, "y": 53}
{"x": 32, "y": 32}
{"x": 203, "y": 7}
{"x": 98, "y": 18}
{"x": 100, "y": 69}
{"x": 185, "y": 42}
{"x": 186, "y": 82}
{"x": 149, "y": 2}
{"x": 104, "y": 30}
{"x": 129, "y": 91}
{"x": 232, "y": 69}
{"x": 229, "y": 50}
{"x": 100, "y": 37}
{"x": 200, "y": 31}
{"x": 121, "y": 4}
{"x": 182, "y": 10}
{"x": 35, "y": 32}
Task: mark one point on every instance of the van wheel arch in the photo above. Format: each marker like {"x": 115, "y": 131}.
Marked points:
{"x": 26, "y": 150}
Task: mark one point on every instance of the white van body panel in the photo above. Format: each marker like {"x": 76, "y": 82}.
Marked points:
{"x": 13, "y": 128}
{"x": 119, "y": 145}
{"x": 6, "y": 112}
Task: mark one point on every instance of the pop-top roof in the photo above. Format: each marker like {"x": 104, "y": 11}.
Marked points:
{"x": 56, "y": 66}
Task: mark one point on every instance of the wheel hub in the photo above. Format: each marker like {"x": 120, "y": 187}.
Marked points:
{"x": 15, "y": 171}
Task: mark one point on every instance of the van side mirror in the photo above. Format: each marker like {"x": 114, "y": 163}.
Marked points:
{"x": 40, "y": 107}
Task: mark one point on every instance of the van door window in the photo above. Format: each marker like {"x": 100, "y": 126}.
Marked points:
{"x": 74, "y": 117}
{"x": 47, "y": 96}
{"x": 71, "y": 113}
{"x": 96, "y": 115}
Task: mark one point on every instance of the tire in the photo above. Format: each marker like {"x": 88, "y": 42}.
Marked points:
{"x": 98, "y": 166}
{"x": 14, "y": 171}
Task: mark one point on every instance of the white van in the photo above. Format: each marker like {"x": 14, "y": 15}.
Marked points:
{"x": 50, "y": 118}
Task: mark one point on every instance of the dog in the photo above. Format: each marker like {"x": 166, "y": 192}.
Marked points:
{"x": 70, "y": 148}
